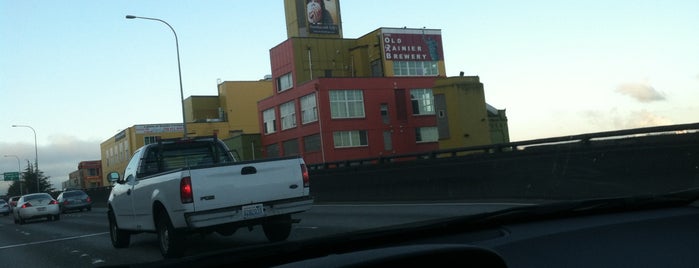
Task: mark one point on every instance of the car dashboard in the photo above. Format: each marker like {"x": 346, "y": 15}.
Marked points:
{"x": 651, "y": 237}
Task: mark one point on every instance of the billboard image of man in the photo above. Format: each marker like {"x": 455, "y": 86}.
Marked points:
{"x": 322, "y": 16}
{"x": 317, "y": 13}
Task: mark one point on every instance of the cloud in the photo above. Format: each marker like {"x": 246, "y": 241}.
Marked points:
{"x": 57, "y": 159}
{"x": 641, "y": 92}
{"x": 642, "y": 118}
{"x": 614, "y": 119}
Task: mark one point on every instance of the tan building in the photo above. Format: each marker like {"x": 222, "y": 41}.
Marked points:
{"x": 499, "y": 131}
{"x": 88, "y": 175}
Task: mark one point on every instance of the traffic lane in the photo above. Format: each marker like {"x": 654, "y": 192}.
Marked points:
{"x": 85, "y": 240}
{"x": 70, "y": 224}
{"x": 333, "y": 218}
{"x": 324, "y": 220}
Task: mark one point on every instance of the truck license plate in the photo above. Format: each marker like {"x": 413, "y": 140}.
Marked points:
{"x": 253, "y": 211}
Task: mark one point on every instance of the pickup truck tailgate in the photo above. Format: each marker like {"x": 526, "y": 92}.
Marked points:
{"x": 247, "y": 183}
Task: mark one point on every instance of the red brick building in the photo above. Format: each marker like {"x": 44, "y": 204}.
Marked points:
{"x": 334, "y": 119}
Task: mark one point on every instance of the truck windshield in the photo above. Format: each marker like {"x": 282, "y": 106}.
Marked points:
{"x": 170, "y": 156}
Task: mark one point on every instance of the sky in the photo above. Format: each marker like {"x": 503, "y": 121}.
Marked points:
{"x": 78, "y": 72}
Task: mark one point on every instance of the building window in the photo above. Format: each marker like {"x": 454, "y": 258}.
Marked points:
{"x": 284, "y": 82}
{"x": 291, "y": 147}
{"x": 270, "y": 121}
{"x": 384, "y": 113}
{"x": 353, "y": 138}
{"x": 311, "y": 143}
{"x": 287, "y": 112}
{"x": 422, "y": 101}
{"x": 426, "y": 134}
{"x": 346, "y": 104}
{"x": 387, "y": 140}
{"x": 415, "y": 68}
{"x": 376, "y": 69}
{"x": 309, "y": 110}
{"x": 146, "y": 140}
{"x": 272, "y": 150}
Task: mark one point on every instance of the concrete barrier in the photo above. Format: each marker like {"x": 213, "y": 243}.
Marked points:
{"x": 630, "y": 166}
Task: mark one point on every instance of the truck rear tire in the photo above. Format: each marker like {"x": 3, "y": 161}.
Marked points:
{"x": 277, "y": 228}
{"x": 120, "y": 238}
{"x": 171, "y": 241}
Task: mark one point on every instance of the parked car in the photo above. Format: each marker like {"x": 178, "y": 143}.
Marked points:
{"x": 37, "y": 205}
{"x": 74, "y": 200}
{"x": 4, "y": 207}
{"x": 13, "y": 202}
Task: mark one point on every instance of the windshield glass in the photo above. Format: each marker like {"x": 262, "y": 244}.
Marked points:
{"x": 73, "y": 194}
{"x": 333, "y": 117}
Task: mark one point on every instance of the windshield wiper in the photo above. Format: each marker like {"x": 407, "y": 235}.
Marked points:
{"x": 570, "y": 208}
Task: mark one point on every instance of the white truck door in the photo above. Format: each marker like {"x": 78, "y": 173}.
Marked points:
{"x": 122, "y": 200}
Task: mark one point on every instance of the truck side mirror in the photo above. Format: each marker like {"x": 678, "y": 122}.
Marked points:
{"x": 113, "y": 177}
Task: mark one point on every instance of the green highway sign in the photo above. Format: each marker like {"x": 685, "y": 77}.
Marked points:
{"x": 11, "y": 176}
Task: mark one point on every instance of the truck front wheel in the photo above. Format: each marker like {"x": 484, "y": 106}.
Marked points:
{"x": 277, "y": 228}
{"x": 171, "y": 241}
{"x": 120, "y": 238}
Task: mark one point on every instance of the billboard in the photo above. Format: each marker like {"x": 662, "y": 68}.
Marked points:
{"x": 412, "y": 44}
{"x": 158, "y": 128}
{"x": 322, "y": 16}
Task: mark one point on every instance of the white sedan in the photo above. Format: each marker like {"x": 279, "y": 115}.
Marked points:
{"x": 38, "y": 205}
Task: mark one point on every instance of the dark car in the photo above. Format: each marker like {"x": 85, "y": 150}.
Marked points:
{"x": 74, "y": 200}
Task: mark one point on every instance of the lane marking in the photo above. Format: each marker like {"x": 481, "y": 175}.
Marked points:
{"x": 52, "y": 240}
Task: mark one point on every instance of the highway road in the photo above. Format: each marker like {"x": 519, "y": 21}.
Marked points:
{"x": 81, "y": 239}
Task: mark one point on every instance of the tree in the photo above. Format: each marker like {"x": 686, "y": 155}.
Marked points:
{"x": 28, "y": 179}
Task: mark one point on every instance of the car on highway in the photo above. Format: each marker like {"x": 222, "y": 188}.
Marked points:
{"x": 36, "y": 205}
{"x": 4, "y": 207}
{"x": 13, "y": 201}
{"x": 74, "y": 200}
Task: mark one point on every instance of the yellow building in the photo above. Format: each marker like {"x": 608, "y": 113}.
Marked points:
{"x": 239, "y": 102}
{"x": 117, "y": 150}
{"x": 228, "y": 116}
{"x": 462, "y": 117}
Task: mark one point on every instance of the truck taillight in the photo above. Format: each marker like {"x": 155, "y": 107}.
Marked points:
{"x": 306, "y": 179}
{"x": 186, "y": 190}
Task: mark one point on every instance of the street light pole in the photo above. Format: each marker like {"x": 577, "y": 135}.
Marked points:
{"x": 36, "y": 155}
{"x": 19, "y": 171}
{"x": 179, "y": 69}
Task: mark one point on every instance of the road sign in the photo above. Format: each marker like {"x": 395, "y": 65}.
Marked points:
{"x": 11, "y": 176}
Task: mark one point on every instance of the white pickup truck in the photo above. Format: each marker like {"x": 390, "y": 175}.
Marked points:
{"x": 183, "y": 186}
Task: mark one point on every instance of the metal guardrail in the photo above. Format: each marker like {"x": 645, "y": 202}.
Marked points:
{"x": 587, "y": 139}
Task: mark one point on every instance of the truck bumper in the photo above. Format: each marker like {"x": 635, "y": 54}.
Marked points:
{"x": 235, "y": 214}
